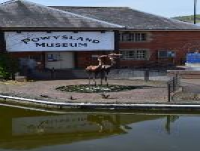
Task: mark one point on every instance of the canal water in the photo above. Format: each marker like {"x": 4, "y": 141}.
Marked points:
{"x": 29, "y": 130}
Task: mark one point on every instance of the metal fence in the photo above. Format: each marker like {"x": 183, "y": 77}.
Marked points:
{"x": 139, "y": 74}
{"x": 173, "y": 85}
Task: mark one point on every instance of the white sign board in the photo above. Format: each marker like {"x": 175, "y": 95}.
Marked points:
{"x": 59, "y": 41}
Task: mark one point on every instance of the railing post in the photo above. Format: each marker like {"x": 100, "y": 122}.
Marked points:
{"x": 172, "y": 86}
{"x": 169, "y": 91}
{"x": 146, "y": 75}
{"x": 177, "y": 81}
{"x": 52, "y": 73}
{"x": 174, "y": 83}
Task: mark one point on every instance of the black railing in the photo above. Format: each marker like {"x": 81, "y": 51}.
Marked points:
{"x": 173, "y": 85}
{"x": 146, "y": 75}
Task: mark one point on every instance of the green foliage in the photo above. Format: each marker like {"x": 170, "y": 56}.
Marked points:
{"x": 3, "y": 73}
{"x": 189, "y": 19}
{"x": 94, "y": 89}
{"x": 8, "y": 66}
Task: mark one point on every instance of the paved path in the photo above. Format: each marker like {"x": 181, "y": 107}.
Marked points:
{"x": 191, "y": 85}
{"x": 148, "y": 92}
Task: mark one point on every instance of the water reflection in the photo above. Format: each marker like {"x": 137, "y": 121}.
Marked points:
{"x": 38, "y": 131}
{"x": 69, "y": 124}
{"x": 24, "y": 129}
{"x": 169, "y": 120}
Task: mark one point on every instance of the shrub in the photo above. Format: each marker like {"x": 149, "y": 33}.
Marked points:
{"x": 8, "y": 66}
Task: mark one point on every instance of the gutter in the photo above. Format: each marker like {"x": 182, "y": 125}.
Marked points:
{"x": 54, "y": 29}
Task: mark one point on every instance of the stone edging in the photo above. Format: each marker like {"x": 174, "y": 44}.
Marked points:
{"x": 144, "y": 106}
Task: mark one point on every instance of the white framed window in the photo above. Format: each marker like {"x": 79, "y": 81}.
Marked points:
{"x": 135, "y": 54}
{"x": 133, "y": 36}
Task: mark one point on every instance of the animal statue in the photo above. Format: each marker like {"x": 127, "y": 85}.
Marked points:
{"x": 106, "y": 68}
{"x": 94, "y": 70}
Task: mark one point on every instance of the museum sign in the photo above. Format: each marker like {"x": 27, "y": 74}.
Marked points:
{"x": 59, "y": 41}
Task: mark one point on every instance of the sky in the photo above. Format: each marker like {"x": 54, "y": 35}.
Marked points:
{"x": 166, "y": 8}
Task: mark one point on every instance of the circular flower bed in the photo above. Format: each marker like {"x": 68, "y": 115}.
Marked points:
{"x": 94, "y": 89}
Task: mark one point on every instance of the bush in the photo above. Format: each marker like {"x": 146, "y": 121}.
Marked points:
{"x": 3, "y": 73}
{"x": 8, "y": 66}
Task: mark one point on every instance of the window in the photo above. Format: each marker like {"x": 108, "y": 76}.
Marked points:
{"x": 54, "y": 56}
{"x": 36, "y": 57}
{"x": 135, "y": 37}
{"x": 137, "y": 54}
{"x": 166, "y": 54}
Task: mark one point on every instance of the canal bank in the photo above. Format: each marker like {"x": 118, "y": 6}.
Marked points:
{"x": 150, "y": 95}
{"x": 110, "y": 106}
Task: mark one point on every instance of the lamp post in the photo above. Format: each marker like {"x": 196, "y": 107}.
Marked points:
{"x": 195, "y": 8}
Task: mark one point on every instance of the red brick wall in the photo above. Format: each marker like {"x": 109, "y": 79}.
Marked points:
{"x": 179, "y": 41}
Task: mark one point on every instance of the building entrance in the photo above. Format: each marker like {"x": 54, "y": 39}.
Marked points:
{"x": 59, "y": 60}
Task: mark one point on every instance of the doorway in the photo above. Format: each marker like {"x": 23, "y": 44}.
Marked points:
{"x": 59, "y": 60}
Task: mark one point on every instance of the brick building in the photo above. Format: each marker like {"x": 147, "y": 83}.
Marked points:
{"x": 63, "y": 37}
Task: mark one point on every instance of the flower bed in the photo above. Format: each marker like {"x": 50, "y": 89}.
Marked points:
{"x": 94, "y": 89}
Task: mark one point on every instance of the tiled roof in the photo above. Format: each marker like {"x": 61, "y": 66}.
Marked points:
{"x": 132, "y": 19}
{"x": 20, "y": 13}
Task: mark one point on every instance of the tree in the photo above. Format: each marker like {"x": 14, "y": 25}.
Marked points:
{"x": 8, "y": 66}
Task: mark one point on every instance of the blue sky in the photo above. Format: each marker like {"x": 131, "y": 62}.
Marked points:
{"x": 167, "y": 8}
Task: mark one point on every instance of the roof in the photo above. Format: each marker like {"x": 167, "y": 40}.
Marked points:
{"x": 25, "y": 14}
{"x": 21, "y": 13}
{"x": 131, "y": 18}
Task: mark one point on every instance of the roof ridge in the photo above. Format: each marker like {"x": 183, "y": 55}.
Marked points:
{"x": 93, "y": 19}
{"x": 93, "y": 6}
{"x": 70, "y": 13}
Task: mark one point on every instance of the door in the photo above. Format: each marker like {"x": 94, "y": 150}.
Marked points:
{"x": 59, "y": 60}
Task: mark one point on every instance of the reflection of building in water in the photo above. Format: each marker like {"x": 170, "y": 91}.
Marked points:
{"x": 105, "y": 122}
{"x": 22, "y": 129}
{"x": 71, "y": 123}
